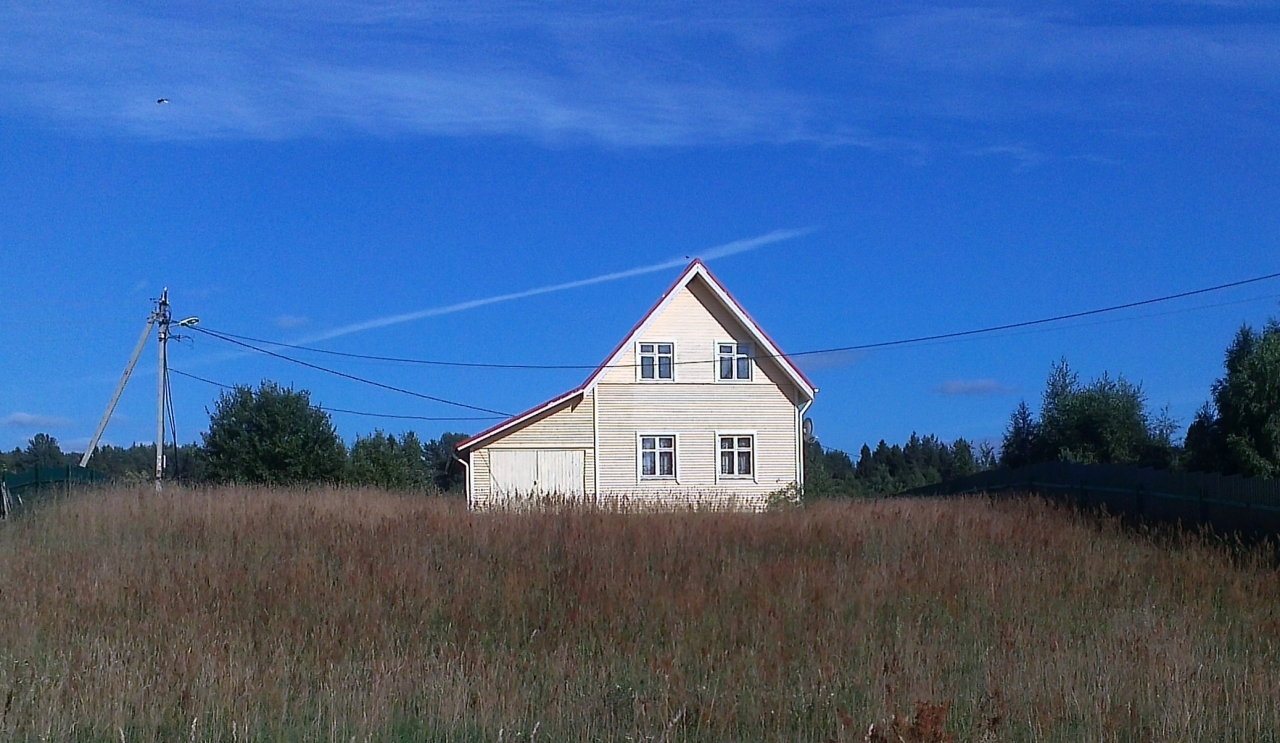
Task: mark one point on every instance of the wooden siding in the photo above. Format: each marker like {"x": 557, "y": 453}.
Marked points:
{"x": 569, "y": 428}
{"x": 695, "y": 413}
{"x": 695, "y": 322}
{"x": 480, "y": 487}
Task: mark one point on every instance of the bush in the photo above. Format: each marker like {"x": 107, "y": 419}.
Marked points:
{"x": 272, "y": 436}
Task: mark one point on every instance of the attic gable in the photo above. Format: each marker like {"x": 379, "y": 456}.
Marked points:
{"x": 697, "y": 284}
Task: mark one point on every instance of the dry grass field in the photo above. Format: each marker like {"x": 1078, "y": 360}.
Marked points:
{"x": 240, "y": 614}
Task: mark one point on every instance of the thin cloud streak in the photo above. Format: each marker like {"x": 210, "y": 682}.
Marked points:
{"x": 720, "y": 251}
{"x": 974, "y": 388}
{"x": 28, "y": 420}
{"x": 630, "y": 77}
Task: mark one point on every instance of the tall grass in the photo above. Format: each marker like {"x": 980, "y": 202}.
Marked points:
{"x": 242, "y": 614}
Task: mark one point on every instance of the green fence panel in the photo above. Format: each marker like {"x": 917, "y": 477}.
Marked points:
{"x": 1226, "y": 502}
{"x": 41, "y": 476}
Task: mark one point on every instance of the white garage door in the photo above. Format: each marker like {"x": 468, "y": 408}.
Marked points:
{"x": 517, "y": 472}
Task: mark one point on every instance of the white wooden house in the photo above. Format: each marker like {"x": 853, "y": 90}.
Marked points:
{"x": 696, "y": 405}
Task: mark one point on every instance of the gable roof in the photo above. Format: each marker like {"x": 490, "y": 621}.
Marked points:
{"x": 696, "y": 269}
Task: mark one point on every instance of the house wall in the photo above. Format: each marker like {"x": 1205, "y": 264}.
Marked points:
{"x": 695, "y": 406}
{"x": 695, "y": 413}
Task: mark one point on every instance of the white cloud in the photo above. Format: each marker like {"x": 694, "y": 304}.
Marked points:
{"x": 30, "y": 421}
{"x": 974, "y": 388}
{"x": 269, "y": 71}
{"x": 639, "y": 75}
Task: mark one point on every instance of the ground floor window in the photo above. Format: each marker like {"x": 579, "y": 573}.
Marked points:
{"x": 737, "y": 455}
{"x": 658, "y": 456}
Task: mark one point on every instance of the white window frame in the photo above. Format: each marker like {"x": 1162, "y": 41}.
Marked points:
{"x": 656, "y": 362}
{"x": 751, "y": 358}
{"x": 755, "y": 456}
{"x": 675, "y": 454}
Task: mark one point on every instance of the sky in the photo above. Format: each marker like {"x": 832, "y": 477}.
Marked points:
{"x": 518, "y": 183}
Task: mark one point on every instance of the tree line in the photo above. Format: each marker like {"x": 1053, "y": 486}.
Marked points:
{"x": 1108, "y": 421}
{"x": 271, "y": 435}
{"x": 1102, "y": 421}
{"x": 274, "y": 436}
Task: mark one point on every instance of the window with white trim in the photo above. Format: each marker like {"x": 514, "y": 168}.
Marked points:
{"x": 657, "y": 361}
{"x": 737, "y": 455}
{"x": 733, "y": 361}
{"x": 658, "y": 456}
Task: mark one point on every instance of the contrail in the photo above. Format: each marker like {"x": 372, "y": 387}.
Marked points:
{"x": 720, "y": 251}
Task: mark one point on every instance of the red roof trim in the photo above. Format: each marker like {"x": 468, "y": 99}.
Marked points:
{"x": 782, "y": 357}
{"x": 679, "y": 282}
{"x": 466, "y": 443}
{"x": 580, "y": 389}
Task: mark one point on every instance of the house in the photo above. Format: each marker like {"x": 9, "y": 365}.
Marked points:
{"x": 696, "y": 405}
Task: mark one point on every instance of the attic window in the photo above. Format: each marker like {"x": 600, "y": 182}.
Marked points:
{"x": 657, "y": 361}
{"x": 734, "y": 361}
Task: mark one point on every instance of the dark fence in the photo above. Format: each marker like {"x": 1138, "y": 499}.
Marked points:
{"x": 18, "y": 487}
{"x": 1226, "y": 502}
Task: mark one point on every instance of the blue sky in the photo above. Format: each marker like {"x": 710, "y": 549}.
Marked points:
{"x": 878, "y": 171}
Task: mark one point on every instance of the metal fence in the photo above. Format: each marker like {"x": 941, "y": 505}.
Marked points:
{"x": 18, "y": 487}
{"x": 1228, "y": 503}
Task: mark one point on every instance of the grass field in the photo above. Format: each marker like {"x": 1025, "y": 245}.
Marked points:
{"x": 237, "y": 615}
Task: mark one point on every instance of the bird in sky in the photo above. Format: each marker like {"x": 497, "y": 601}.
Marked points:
{"x": 162, "y": 101}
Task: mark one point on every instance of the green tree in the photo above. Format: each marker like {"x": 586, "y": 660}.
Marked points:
{"x": 272, "y": 436}
{"x": 442, "y": 457}
{"x": 986, "y": 457}
{"x": 380, "y": 460}
{"x": 818, "y": 482}
{"x": 1020, "y": 438}
{"x": 1239, "y": 432}
{"x": 1103, "y": 422}
{"x": 42, "y": 451}
{"x": 963, "y": 462}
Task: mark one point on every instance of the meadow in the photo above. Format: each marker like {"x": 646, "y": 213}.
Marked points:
{"x": 336, "y": 615}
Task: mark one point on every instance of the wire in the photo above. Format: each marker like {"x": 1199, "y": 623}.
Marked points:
{"x": 350, "y": 412}
{"x": 344, "y": 375}
{"x": 401, "y": 360}
{"x": 1041, "y": 321}
{"x": 173, "y": 422}
{"x": 858, "y": 347}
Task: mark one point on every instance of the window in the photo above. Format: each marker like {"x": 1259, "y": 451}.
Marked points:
{"x": 657, "y": 361}
{"x": 735, "y": 360}
{"x": 658, "y": 457}
{"x": 737, "y": 455}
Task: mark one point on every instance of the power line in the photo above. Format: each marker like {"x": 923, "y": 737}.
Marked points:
{"x": 1041, "y": 321}
{"x": 349, "y": 412}
{"x": 858, "y": 347}
{"x": 344, "y": 375}
{"x": 402, "y": 360}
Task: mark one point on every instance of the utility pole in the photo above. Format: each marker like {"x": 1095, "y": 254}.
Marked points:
{"x": 162, "y": 318}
